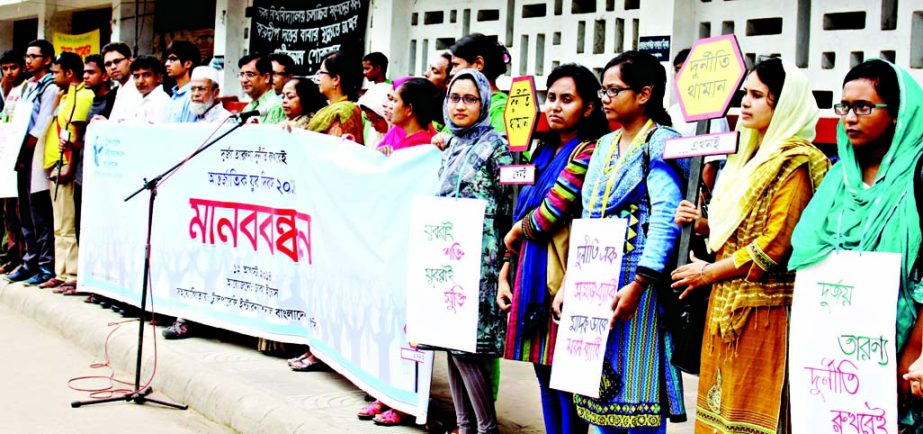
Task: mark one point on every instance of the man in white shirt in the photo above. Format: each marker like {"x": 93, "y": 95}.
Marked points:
{"x": 154, "y": 107}
{"x": 117, "y": 60}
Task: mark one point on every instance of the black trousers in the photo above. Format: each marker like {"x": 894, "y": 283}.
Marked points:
{"x": 37, "y": 223}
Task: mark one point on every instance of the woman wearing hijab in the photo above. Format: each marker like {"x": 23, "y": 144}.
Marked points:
{"x": 375, "y": 122}
{"x": 543, "y": 215}
{"x": 471, "y": 169}
{"x": 868, "y": 201}
{"x": 628, "y": 178}
{"x": 758, "y": 199}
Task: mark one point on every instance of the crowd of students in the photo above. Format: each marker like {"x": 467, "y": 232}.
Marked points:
{"x": 776, "y": 206}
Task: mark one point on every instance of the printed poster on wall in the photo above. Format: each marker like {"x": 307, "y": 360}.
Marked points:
{"x": 444, "y": 272}
{"x": 83, "y": 44}
{"x": 842, "y": 362}
{"x": 594, "y": 266}
{"x": 289, "y": 236}
{"x": 308, "y": 31}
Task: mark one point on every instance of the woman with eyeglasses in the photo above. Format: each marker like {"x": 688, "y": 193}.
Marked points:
{"x": 871, "y": 198}
{"x": 301, "y": 99}
{"x": 339, "y": 78}
{"x": 628, "y": 178}
{"x": 541, "y": 232}
{"x": 758, "y": 199}
{"x": 471, "y": 169}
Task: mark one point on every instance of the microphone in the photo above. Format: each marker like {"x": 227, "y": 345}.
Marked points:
{"x": 247, "y": 115}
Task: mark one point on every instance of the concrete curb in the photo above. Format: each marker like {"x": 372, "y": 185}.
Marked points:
{"x": 218, "y": 394}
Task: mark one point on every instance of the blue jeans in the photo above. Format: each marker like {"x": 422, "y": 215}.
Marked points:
{"x": 557, "y": 406}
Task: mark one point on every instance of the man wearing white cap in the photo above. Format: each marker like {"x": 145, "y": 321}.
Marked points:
{"x": 204, "y": 105}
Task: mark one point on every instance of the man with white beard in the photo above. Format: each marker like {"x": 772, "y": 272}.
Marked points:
{"x": 204, "y": 91}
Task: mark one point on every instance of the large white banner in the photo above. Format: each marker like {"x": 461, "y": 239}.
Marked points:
{"x": 594, "y": 266}
{"x": 446, "y": 236}
{"x": 842, "y": 362}
{"x": 295, "y": 237}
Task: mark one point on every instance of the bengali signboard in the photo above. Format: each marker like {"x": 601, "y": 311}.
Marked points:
{"x": 83, "y": 44}
{"x": 308, "y": 31}
{"x": 521, "y": 113}
{"x": 593, "y": 270}
{"x": 444, "y": 272}
{"x": 698, "y": 146}
{"x": 261, "y": 234}
{"x": 842, "y": 362}
{"x": 709, "y": 78}
{"x": 657, "y": 46}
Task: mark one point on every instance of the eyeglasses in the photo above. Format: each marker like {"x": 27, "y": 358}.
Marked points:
{"x": 33, "y": 56}
{"x": 468, "y": 99}
{"x": 316, "y": 77}
{"x": 249, "y": 75}
{"x": 114, "y": 62}
{"x": 859, "y": 108}
{"x": 611, "y": 92}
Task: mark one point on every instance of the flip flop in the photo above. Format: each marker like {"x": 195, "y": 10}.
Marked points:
{"x": 370, "y": 411}
{"x": 299, "y": 359}
{"x": 391, "y": 418}
{"x": 306, "y": 365}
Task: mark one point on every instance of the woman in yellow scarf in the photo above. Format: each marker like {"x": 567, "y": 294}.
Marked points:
{"x": 757, "y": 202}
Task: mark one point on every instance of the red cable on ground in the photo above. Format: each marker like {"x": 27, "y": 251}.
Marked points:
{"x": 110, "y": 390}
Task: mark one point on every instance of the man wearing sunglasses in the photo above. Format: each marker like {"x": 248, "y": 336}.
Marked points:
{"x": 32, "y": 184}
{"x": 117, "y": 59}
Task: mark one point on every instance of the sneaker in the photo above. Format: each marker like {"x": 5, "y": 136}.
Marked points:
{"x": 21, "y": 273}
{"x": 179, "y": 330}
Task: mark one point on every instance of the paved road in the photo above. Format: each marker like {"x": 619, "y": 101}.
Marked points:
{"x": 34, "y": 397}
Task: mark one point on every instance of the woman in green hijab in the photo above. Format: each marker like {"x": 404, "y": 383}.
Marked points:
{"x": 867, "y": 202}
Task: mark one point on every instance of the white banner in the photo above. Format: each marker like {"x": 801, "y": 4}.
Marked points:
{"x": 444, "y": 272}
{"x": 11, "y": 137}
{"x": 842, "y": 361}
{"x": 594, "y": 266}
{"x": 286, "y": 236}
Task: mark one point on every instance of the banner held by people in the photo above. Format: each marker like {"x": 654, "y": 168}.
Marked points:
{"x": 263, "y": 234}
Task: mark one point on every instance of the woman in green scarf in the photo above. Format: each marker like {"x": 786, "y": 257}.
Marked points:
{"x": 868, "y": 201}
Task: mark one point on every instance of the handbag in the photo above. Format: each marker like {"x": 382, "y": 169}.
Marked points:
{"x": 684, "y": 319}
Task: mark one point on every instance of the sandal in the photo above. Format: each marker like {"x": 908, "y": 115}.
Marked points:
{"x": 306, "y": 365}
{"x": 299, "y": 359}
{"x": 370, "y": 411}
{"x": 70, "y": 290}
{"x": 391, "y": 418}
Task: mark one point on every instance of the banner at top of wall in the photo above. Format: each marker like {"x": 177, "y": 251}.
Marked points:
{"x": 308, "y": 31}
{"x": 83, "y": 44}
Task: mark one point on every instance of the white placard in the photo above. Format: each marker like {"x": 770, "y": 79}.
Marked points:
{"x": 11, "y": 137}
{"x": 593, "y": 270}
{"x": 522, "y": 174}
{"x": 842, "y": 362}
{"x": 698, "y": 146}
{"x": 444, "y": 272}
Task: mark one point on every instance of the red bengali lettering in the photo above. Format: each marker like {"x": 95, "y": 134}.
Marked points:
{"x": 284, "y": 230}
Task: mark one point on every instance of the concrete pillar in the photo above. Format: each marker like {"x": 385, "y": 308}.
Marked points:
{"x": 388, "y": 31}
{"x": 124, "y": 17}
{"x": 669, "y": 17}
{"x": 230, "y": 24}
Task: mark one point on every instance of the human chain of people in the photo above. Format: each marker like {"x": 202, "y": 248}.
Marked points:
{"x": 797, "y": 288}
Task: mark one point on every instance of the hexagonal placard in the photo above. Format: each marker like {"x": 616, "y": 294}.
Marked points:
{"x": 521, "y": 113}
{"x": 709, "y": 77}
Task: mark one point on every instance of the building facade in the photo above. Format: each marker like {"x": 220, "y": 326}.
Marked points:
{"x": 825, "y": 38}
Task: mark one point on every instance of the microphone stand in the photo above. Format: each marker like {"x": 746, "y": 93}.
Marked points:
{"x": 139, "y": 395}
